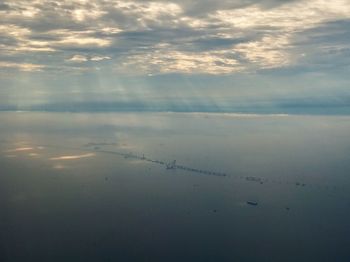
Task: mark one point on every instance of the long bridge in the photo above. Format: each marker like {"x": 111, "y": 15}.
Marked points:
{"x": 169, "y": 166}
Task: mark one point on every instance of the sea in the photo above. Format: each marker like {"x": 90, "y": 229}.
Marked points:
{"x": 165, "y": 186}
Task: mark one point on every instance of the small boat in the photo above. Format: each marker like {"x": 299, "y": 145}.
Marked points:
{"x": 252, "y": 203}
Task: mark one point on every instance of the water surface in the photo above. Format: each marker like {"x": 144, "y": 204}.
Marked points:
{"x": 79, "y": 187}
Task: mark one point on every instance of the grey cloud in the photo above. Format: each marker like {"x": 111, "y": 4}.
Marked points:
{"x": 193, "y": 35}
{"x": 325, "y": 47}
{"x": 4, "y": 6}
{"x": 203, "y": 7}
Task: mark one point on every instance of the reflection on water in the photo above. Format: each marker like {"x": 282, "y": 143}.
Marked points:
{"x": 72, "y": 157}
{"x": 20, "y": 149}
{"x": 106, "y": 187}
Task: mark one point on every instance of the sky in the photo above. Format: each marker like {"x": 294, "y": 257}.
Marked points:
{"x": 269, "y": 56}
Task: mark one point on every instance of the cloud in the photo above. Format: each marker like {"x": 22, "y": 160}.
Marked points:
{"x": 163, "y": 60}
{"x": 99, "y": 58}
{"x": 213, "y": 37}
{"x": 83, "y": 58}
{"x": 78, "y": 58}
{"x": 21, "y": 66}
{"x": 4, "y": 6}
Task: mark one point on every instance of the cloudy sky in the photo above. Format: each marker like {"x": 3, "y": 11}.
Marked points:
{"x": 197, "y": 55}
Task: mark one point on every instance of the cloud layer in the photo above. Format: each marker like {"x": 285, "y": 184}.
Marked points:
{"x": 278, "y": 56}
{"x": 161, "y": 37}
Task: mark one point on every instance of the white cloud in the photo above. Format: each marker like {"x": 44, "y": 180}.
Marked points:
{"x": 27, "y": 67}
{"x": 87, "y": 14}
{"x": 279, "y": 26}
{"x": 99, "y": 58}
{"x": 173, "y": 61}
{"x": 83, "y": 58}
{"x": 268, "y": 52}
{"x": 82, "y": 41}
{"x": 78, "y": 58}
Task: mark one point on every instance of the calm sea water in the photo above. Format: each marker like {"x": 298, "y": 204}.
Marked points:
{"x": 83, "y": 187}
